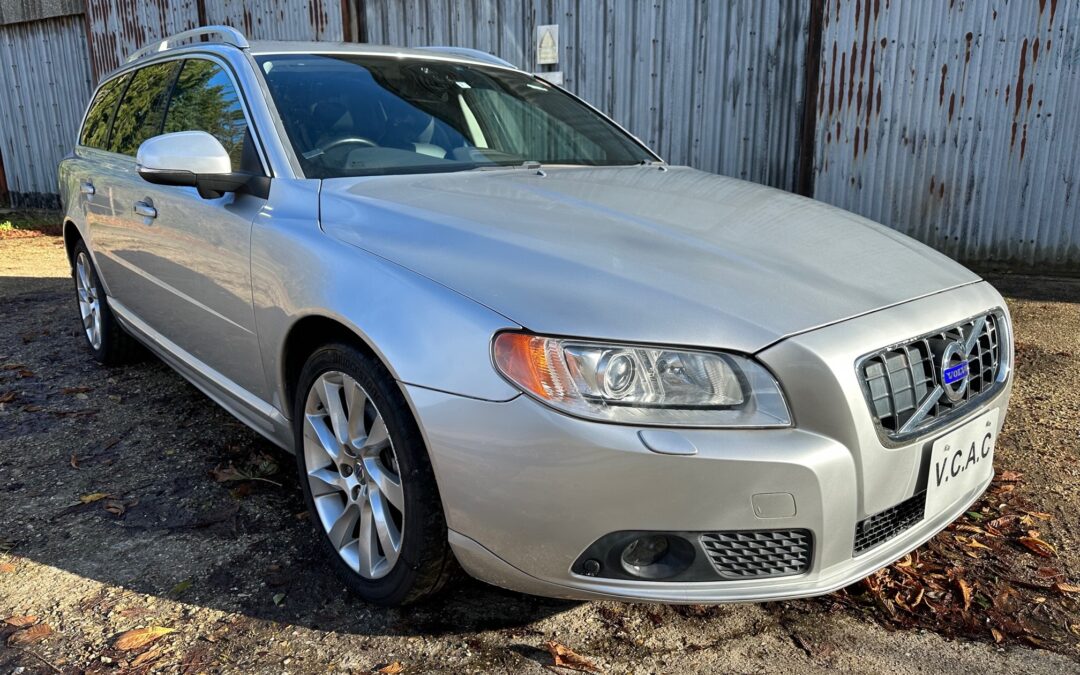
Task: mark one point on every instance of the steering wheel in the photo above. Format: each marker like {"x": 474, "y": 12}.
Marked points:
{"x": 349, "y": 140}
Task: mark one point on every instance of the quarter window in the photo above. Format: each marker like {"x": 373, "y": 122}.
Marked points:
{"x": 95, "y": 131}
{"x": 204, "y": 99}
{"x": 140, "y": 114}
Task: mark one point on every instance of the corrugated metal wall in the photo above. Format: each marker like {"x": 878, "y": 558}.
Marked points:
{"x": 45, "y": 80}
{"x": 957, "y": 123}
{"x": 713, "y": 84}
{"x": 119, "y": 27}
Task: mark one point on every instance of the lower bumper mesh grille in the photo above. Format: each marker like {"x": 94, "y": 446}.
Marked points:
{"x": 764, "y": 553}
{"x": 883, "y": 526}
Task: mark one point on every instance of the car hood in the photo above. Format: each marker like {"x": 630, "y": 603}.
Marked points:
{"x": 642, "y": 254}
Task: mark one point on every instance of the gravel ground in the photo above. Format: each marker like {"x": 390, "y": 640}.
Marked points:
{"x": 113, "y": 519}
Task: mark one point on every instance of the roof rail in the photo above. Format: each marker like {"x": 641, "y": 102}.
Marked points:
{"x": 474, "y": 54}
{"x": 226, "y": 35}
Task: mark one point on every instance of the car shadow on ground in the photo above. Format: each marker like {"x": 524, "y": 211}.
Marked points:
{"x": 114, "y": 474}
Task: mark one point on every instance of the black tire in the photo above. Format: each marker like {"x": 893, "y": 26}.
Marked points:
{"x": 116, "y": 346}
{"x": 426, "y": 561}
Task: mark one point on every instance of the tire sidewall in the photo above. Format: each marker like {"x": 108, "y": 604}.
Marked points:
{"x": 396, "y": 586}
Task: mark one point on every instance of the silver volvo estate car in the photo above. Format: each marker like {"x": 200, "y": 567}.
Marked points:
{"x": 499, "y": 333}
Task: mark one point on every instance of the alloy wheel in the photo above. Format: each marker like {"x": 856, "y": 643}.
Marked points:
{"x": 89, "y": 303}
{"x": 353, "y": 474}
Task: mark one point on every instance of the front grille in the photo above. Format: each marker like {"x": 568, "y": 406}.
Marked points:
{"x": 899, "y": 381}
{"x": 763, "y": 553}
{"x": 883, "y": 526}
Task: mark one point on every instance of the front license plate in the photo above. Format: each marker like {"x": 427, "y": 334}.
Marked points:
{"x": 961, "y": 462}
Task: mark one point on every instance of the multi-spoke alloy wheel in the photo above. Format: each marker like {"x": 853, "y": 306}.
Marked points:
{"x": 367, "y": 478}
{"x": 108, "y": 341}
{"x": 89, "y": 305}
{"x": 353, "y": 474}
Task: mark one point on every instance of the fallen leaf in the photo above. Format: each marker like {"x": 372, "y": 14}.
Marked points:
{"x": 1066, "y": 588}
{"x": 115, "y": 507}
{"x": 20, "y": 621}
{"x": 140, "y": 637}
{"x": 29, "y": 636}
{"x": 965, "y": 592}
{"x": 8, "y": 397}
{"x": 7, "y": 568}
{"x": 93, "y": 497}
{"x": 74, "y": 390}
{"x": 146, "y": 657}
{"x": 74, "y": 461}
{"x": 180, "y": 587}
{"x": 1038, "y": 546}
{"x": 568, "y": 658}
{"x": 1010, "y": 476}
{"x": 998, "y": 637}
{"x": 279, "y": 598}
{"x": 392, "y": 668}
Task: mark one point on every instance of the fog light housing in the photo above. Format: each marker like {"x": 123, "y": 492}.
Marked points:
{"x": 645, "y": 551}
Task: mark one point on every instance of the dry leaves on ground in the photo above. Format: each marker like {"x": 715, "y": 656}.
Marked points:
{"x": 28, "y": 636}
{"x": 977, "y": 578}
{"x": 21, "y": 621}
{"x": 140, "y": 637}
{"x": 565, "y": 657}
{"x": 392, "y": 668}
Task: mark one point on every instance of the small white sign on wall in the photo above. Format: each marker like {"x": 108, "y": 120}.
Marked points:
{"x": 547, "y": 44}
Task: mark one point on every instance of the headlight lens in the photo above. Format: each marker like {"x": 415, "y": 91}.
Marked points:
{"x": 642, "y": 385}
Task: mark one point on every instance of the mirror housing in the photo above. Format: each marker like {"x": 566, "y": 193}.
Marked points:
{"x": 190, "y": 158}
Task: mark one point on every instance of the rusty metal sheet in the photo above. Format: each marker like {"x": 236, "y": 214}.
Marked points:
{"x": 956, "y": 122}
{"x": 45, "y": 80}
{"x": 280, "y": 19}
{"x": 116, "y": 28}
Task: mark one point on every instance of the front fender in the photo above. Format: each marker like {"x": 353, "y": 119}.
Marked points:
{"x": 426, "y": 334}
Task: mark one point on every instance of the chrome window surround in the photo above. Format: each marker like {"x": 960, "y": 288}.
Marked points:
{"x": 926, "y": 416}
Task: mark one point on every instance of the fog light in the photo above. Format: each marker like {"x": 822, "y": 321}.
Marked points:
{"x": 645, "y": 551}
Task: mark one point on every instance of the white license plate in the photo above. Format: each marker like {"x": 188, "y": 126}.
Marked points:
{"x": 961, "y": 461}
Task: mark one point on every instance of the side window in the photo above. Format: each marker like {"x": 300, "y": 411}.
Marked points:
{"x": 95, "y": 131}
{"x": 140, "y": 114}
{"x": 204, "y": 99}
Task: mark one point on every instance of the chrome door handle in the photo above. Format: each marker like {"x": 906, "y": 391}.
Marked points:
{"x": 86, "y": 187}
{"x": 145, "y": 210}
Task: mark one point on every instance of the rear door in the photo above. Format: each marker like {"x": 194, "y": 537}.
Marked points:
{"x": 192, "y": 254}
{"x": 119, "y": 238}
{"x": 94, "y": 170}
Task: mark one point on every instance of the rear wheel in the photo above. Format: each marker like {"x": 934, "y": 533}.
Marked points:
{"x": 107, "y": 340}
{"x": 367, "y": 479}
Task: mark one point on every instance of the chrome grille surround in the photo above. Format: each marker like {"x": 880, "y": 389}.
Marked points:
{"x": 903, "y": 386}
{"x": 757, "y": 554}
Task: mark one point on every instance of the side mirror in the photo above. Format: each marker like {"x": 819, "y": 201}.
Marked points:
{"x": 190, "y": 158}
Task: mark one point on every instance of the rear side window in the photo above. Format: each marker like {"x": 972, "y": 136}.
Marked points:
{"x": 142, "y": 110}
{"x": 205, "y": 99}
{"x": 95, "y": 131}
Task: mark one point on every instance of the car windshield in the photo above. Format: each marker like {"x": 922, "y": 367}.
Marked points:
{"x": 352, "y": 115}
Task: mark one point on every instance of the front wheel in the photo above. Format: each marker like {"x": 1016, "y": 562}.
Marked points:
{"x": 367, "y": 479}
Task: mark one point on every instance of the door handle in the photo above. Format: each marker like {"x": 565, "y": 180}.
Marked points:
{"x": 86, "y": 187}
{"x": 145, "y": 210}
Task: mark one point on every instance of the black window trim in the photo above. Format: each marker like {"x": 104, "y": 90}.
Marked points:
{"x": 227, "y": 67}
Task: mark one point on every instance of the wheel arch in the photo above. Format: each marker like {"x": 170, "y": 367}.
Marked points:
{"x": 308, "y": 334}
{"x": 72, "y": 236}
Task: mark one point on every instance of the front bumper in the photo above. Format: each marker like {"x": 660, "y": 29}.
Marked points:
{"x": 526, "y": 490}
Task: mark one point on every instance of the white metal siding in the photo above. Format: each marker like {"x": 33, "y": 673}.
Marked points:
{"x": 45, "y": 80}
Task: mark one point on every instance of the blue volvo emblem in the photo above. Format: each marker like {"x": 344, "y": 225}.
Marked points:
{"x": 955, "y": 373}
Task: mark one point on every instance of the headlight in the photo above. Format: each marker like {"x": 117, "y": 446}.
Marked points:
{"x": 633, "y": 384}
